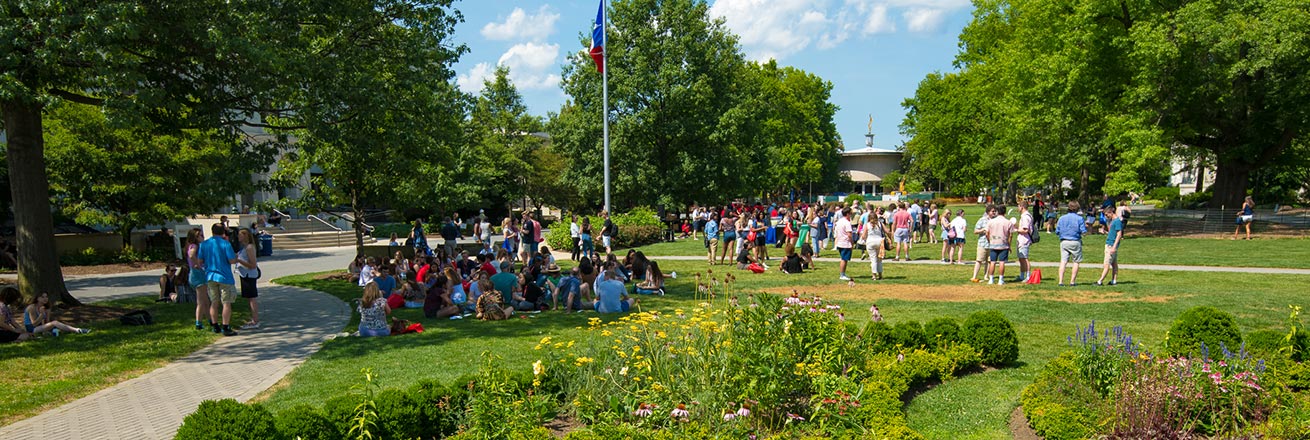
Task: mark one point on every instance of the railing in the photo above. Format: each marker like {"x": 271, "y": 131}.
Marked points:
{"x": 325, "y": 222}
{"x": 1181, "y": 222}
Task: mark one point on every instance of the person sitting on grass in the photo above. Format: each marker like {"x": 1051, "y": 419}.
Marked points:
{"x": 373, "y": 311}
{"x": 610, "y": 296}
{"x": 386, "y": 283}
{"x": 527, "y": 295}
{"x": 36, "y": 319}
{"x": 489, "y": 308}
{"x": 438, "y": 304}
{"x": 478, "y": 284}
{"x": 168, "y": 284}
{"x": 455, "y": 290}
{"x": 792, "y": 263}
{"x": 355, "y": 267}
{"x": 569, "y": 289}
{"x": 745, "y": 257}
{"x": 653, "y": 282}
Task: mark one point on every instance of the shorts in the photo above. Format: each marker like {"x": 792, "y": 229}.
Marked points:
{"x": 998, "y": 255}
{"x": 225, "y": 293}
{"x": 248, "y": 288}
{"x": 1023, "y": 251}
{"x": 197, "y": 278}
{"x": 902, "y": 235}
{"x": 532, "y": 247}
{"x": 624, "y": 306}
{"x": 605, "y": 240}
{"x": 1071, "y": 250}
{"x": 954, "y": 241}
{"x": 368, "y": 332}
{"x": 981, "y": 257}
{"x": 760, "y": 239}
{"x": 1245, "y": 218}
{"x": 845, "y": 253}
{"x": 729, "y": 236}
{"x": 1111, "y": 257}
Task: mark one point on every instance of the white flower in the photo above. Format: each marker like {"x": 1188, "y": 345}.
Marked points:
{"x": 729, "y": 417}
{"x": 623, "y": 371}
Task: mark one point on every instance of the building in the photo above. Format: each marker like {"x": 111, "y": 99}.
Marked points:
{"x": 867, "y": 166}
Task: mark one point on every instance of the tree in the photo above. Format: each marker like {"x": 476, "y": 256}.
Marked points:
{"x": 129, "y": 177}
{"x": 203, "y": 63}
{"x": 381, "y": 118}
{"x": 507, "y": 138}
{"x": 793, "y": 127}
{"x": 675, "y": 86}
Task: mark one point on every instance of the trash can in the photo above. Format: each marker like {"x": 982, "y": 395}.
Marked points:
{"x": 265, "y": 245}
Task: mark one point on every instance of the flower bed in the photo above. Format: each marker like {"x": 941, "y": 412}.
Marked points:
{"x": 1107, "y": 383}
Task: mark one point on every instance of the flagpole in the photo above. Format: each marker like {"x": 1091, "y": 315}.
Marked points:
{"x": 605, "y": 99}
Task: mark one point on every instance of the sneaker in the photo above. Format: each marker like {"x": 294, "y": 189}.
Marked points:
{"x": 1114, "y": 283}
{"x": 991, "y": 281}
{"x": 1061, "y": 284}
{"x": 1000, "y": 282}
{"x": 227, "y": 331}
{"x": 844, "y": 278}
{"x": 1073, "y": 284}
{"x": 83, "y": 331}
{"x": 250, "y": 326}
{"x": 1098, "y": 283}
{"x": 200, "y": 326}
{"x": 974, "y": 280}
{"x": 216, "y": 329}
{"x": 452, "y": 318}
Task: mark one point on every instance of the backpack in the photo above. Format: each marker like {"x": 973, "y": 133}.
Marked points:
{"x": 950, "y": 232}
{"x": 1033, "y": 237}
{"x": 137, "y": 317}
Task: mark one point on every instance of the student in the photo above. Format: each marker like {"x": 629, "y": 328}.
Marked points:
{"x": 36, "y": 318}
{"x": 568, "y": 289}
{"x": 712, "y": 236}
{"x": 980, "y": 231}
{"x": 654, "y": 280}
{"x": 959, "y": 226}
{"x": 843, "y": 238}
{"x": 248, "y": 272}
{"x": 874, "y": 235}
{"x": 999, "y": 232}
{"x": 1244, "y": 218}
{"x": 1025, "y": 230}
{"x": 1113, "y": 237}
{"x": 218, "y": 257}
{"x": 746, "y": 256}
{"x": 728, "y": 224}
{"x": 610, "y": 296}
{"x": 168, "y": 284}
{"x": 1070, "y": 228}
{"x": 10, "y": 330}
{"x": 792, "y": 263}
{"x": 373, "y": 311}
{"x": 588, "y": 244}
{"x": 575, "y": 234}
{"x": 902, "y": 221}
{"x": 607, "y": 232}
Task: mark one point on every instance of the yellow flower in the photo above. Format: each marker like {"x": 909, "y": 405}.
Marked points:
{"x": 593, "y": 322}
{"x": 606, "y": 333}
{"x": 636, "y": 348}
{"x": 570, "y": 344}
{"x": 545, "y": 341}
{"x": 538, "y": 368}
{"x": 582, "y": 361}
{"x": 660, "y": 334}
{"x": 623, "y": 371}
{"x": 538, "y": 347}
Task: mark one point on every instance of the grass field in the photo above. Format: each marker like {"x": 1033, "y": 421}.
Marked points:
{"x": 51, "y": 371}
{"x": 975, "y": 406}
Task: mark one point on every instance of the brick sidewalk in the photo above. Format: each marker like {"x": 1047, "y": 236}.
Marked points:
{"x": 153, "y": 405}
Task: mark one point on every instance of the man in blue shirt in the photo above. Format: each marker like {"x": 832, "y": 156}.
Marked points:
{"x": 1113, "y": 237}
{"x": 570, "y": 290}
{"x": 450, "y": 232}
{"x": 610, "y": 295}
{"x": 711, "y": 229}
{"x": 1070, "y": 228}
{"x": 217, "y": 255}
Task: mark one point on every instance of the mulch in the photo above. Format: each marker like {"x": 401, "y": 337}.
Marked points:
{"x": 105, "y": 269}
{"x": 77, "y": 316}
{"x": 1019, "y": 426}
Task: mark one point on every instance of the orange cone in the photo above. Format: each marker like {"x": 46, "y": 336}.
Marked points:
{"x": 1035, "y": 277}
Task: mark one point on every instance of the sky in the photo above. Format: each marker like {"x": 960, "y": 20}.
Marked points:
{"x": 874, "y": 52}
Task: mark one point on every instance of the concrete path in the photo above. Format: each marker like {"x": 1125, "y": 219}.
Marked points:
{"x": 152, "y": 406}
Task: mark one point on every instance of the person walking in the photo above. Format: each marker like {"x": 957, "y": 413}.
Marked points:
{"x": 842, "y": 238}
{"x": 218, "y": 257}
{"x": 902, "y": 221}
{"x": 607, "y": 232}
{"x": 575, "y": 233}
{"x": 999, "y": 232}
{"x": 1025, "y": 230}
{"x": 873, "y": 235}
{"x": 484, "y": 233}
{"x": 419, "y": 238}
{"x": 588, "y": 244}
{"x": 1244, "y": 217}
{"x": 1113, "y": 237}
{"x": 711, "y": 228}
{"x": 450, "y": 232}
{"x": 248, "y": 270}
{"x": 1070, "y": 228}
{"x": 958, "y": 228}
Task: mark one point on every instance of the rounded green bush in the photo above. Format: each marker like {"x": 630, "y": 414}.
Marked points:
{"x": 909, "y": 334}
{"x": 877, "y": 337}
{"x": 304, "y": 421}
{"x": 942, "y": 330}
{"x": 339, "y": 410}
{"x": 443, "y": 407}
{"x": 1264, "y": 344}
{"x": 228, "y": 419}
{"x": 399, "y": 415}
{"x": 1199, "y": 325}
{"x": 993, "y": 336}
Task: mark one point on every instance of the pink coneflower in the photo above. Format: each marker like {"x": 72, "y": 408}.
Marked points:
{"x": 1205, "y": 368}
{"x": 795, "y": 417}
{"x": 877, "y": 316}
{"x": 644, "y": 410}
{"x": 743, "y": 411}
{"x": 680, "y": 412}
{"x": 729, "y": 417}
{"x": 841, "y": 317}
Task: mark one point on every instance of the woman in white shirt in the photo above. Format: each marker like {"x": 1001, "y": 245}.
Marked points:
{"x": 575, "y": 232}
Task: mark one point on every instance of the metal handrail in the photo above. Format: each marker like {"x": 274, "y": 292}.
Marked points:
{"x": 330, "y": 225}
{"x": 283, "y": 214}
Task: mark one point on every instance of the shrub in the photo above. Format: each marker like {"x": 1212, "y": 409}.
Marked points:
{"x": 877, "y": 337}
{"x": 399, "y": 415}
{"x": 228, "y": 419}
{"x": 854, "y": 200}
{"x": 1060, "y": 404}
{"x": 94, "y": 257}
{"x": 993, "y": 336}
{"x": 942, "y": 330}
{"x": 1201, "y": 331}
{"x": 1164, "y": 193}
{"x": 1264, "y": 343}
{"x": 638, "y": 227}
{"x": 909, "y": 335}
{"x": 340, "y": 410}
{"x": 443, "y": 407}
{"x": 305, "y": 422}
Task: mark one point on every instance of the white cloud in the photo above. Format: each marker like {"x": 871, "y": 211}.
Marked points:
{"x": 532, "y": 65}
{"x": 521, "y": 25}
{"x": 471, "y": 82}
{"x": 924, "y": 19}
{"x": 877, "y": 22}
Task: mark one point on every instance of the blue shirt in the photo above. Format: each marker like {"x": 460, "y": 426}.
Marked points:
{"x": 712, "y": 229}
{"x": 610, "y": 295}
{"x": 1070, "y": 227}
{"x": 217, "y": 253}
{"x": 1116, "y": 227}
{"x": 568, "y": 285}
{"x": 385, "y": 285}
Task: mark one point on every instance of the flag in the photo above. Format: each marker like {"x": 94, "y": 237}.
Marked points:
{"x": 598, "y": 39}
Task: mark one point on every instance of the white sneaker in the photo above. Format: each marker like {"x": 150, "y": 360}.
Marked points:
{"x": 844, "y": 278}
{"x": 1000, "y": 282}
{"x": 250, "y": 326}
{"x": 991, "y": 281}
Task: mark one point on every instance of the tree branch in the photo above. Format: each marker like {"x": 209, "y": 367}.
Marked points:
{"x": 78, "y": 98}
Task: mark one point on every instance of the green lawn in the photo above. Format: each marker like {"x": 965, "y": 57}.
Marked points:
{"x": 975, "y": 406}
{"x": 1271, "y": 252}
{"x": 47, "y": 372}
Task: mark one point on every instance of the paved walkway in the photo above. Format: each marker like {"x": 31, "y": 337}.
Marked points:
{"x": 1015, "y": 263}
{"x": 152, "y": 406}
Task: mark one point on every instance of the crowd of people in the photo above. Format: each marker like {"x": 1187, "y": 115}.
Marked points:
{"x": 879, "y": 231}
{"x": 520, "y": 275}
{"x": 207, "y": 272}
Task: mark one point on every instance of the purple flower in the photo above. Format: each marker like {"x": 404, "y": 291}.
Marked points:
{"x": 679, "y": 412}
{"x": 729, "y": 417}
{"x": 743, "y": 412}
{"x": 644, "y": 410}
{"x": 795, "y": 417}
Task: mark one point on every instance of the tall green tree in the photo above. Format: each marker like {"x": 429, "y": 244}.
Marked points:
{"x": 507, "y": 139}
{"x": 202, "y": 63}
{"x": 129, "y": 177}
{"x": 792, "y": 122}
{"x": 676, "y": 79}
{"x": 381, "y": 117}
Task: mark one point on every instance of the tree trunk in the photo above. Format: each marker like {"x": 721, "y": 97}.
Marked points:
{"x": 1200, "y": 177}
{"x": 358, "y": 222}
{"x": 38, "y": 268}
{"x": 1083, "y": 196}
{"x": 1230, "y": 183}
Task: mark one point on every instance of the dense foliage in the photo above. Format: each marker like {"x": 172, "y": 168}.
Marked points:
{"x": 1198, "y": 331}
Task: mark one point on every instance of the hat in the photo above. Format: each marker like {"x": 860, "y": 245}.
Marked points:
{"x": 552, "y": 268}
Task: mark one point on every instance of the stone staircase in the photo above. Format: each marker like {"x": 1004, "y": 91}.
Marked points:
{"x": 309, "y": 233}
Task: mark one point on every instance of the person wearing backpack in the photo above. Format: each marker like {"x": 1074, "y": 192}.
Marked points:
{"x": 1027, "y": 232}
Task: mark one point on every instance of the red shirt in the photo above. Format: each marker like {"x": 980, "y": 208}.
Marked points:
{"x": 488, "y": 268}
{"x": 901, "y": 219}
{"x": 423, "y": 272}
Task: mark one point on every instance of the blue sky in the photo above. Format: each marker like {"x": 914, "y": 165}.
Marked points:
{"x": 873, "y": 51}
